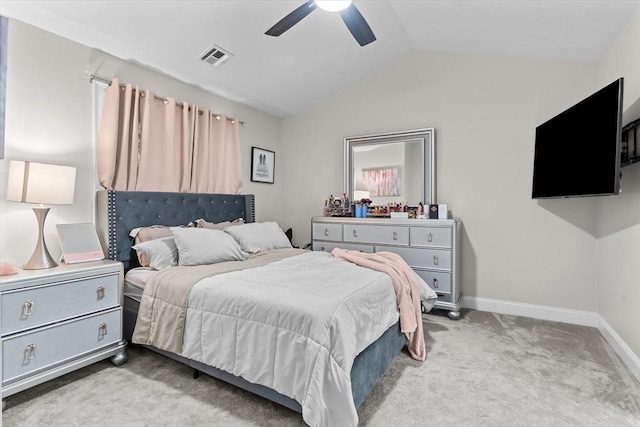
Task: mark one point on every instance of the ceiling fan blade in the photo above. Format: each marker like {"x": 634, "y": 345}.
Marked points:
{"x": 357, "y": 25}
{"x": 291, "y": 19}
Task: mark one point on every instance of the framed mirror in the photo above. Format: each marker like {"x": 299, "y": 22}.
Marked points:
{"x": 395, "y": 167}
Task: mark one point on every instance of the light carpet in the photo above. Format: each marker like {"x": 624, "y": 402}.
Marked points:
{"x": 482, "y": 370}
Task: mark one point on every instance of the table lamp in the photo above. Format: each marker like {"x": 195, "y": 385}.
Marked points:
{"x": 31, "y": 182}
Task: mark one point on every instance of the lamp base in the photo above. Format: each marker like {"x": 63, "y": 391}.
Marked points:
{"x": 41, "y": 257}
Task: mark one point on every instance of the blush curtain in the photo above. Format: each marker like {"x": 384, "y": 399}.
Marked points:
{"x": 217, "y": 163}
{"x": 146, "y": 143}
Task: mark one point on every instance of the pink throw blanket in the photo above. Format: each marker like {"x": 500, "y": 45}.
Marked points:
{"x": 406, "y": 288}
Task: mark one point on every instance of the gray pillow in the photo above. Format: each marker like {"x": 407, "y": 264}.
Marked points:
{"x": 197, "y": 246}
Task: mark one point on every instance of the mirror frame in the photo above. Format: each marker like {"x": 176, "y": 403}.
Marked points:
{"x": 428, "y": 137}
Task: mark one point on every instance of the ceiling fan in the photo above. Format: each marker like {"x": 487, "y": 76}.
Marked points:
{"x": 351, "y": 16}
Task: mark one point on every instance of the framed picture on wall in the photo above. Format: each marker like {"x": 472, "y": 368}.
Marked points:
{"x": 263, "y": 163}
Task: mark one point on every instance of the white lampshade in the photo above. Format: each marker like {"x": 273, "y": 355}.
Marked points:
{"x": 333, "y": 5}
{"x": 30, "y": 182}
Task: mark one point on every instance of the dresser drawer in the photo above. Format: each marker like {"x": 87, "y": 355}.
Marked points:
{"x": 384, "y": 234}
{"x": 329, "y": 246}
{"x": 420, "y": 257}
{"x": 438, "y": 281}
{"x": 431, "y": 236}
{"x": 327, "y": 232}
{"x": 26, "y": 353}
{"x": 36, "y": 306}
{"x": 445, "y": 298}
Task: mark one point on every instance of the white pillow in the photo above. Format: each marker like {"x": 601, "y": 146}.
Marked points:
{"x": 158, "y": 253}
{"x": 259, "y": 236}
{"x": 197, "y": 246}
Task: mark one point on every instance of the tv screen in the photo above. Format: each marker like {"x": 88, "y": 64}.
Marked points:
{"x": 577, "y": 152}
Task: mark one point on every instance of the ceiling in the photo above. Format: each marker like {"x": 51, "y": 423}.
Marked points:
{"x": 287, "y": 75}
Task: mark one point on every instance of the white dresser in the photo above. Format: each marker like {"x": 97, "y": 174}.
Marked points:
{"x": 57, "y": 320}
{"x": 430, "y": 247}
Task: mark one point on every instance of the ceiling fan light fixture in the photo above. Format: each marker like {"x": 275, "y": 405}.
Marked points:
{"x": 333, "y": 5}
{"x": 351, "y": 16}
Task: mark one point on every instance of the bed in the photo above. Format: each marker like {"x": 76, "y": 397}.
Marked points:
{"x": 120, "y": 212}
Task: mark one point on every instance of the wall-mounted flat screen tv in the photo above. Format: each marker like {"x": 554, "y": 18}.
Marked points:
{"x": 577, "y": 152}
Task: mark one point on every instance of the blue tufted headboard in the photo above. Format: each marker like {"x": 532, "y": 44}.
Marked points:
{"x": 119, "y": 212}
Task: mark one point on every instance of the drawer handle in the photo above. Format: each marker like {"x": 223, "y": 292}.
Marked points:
{"x": 429, "y": 237}
{"x": 27, "y": 308}
{"x": 395, "y": 235}
{"x": 102, "y": 329}
{"x": 435, "y": 283}
{"x": 100, "y": 292}
{"x": 30, "y": 352}
{"x": 326, "y": 231}
{"x": 355, "y": 233}
{"x": 435, "y": 259}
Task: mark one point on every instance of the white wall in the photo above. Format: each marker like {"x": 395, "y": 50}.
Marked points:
{"x": 618, "y": 218}
{"x": 49, "y": 119}
{"x": 485, "y": 110}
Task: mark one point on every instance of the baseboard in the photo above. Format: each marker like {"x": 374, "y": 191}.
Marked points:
{"x": 575, "y": 317}
{"x": 620, "y": 347}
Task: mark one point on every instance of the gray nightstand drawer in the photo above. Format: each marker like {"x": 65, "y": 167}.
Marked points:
{"x": 25, "y": 353}
{"x": 323, "y": 231}
{"x": 35, "y": 306}
{"x": 431, "y": 236}
{"x": 385, "y": 234}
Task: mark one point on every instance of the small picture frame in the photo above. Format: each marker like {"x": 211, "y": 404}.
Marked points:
{"x": 432, "y": 213}
{"x": 263, "y": 163}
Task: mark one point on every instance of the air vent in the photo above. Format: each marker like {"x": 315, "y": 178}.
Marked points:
{"x": 215, "y": 55}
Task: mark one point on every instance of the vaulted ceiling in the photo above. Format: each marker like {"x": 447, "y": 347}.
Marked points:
{"x": 286, "y": 75}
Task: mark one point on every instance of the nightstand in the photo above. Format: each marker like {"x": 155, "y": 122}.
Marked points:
{"x": 54, "y": 321}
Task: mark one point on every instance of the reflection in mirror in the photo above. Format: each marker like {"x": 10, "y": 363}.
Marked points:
{"x": 392, "y": 168}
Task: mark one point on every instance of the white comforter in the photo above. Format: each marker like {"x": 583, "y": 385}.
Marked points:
{"x": 295, "y": 326}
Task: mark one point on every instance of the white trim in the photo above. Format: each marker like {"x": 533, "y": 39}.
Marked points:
{"x": 556, "y": 314}
{"x": 99, "y": 91}
{"x": 620, "y": 347}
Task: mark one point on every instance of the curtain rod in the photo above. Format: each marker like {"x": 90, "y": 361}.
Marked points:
{"x": 108, "y": 82}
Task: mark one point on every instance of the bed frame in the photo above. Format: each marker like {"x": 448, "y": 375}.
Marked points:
{"x": 118, "y": 212}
